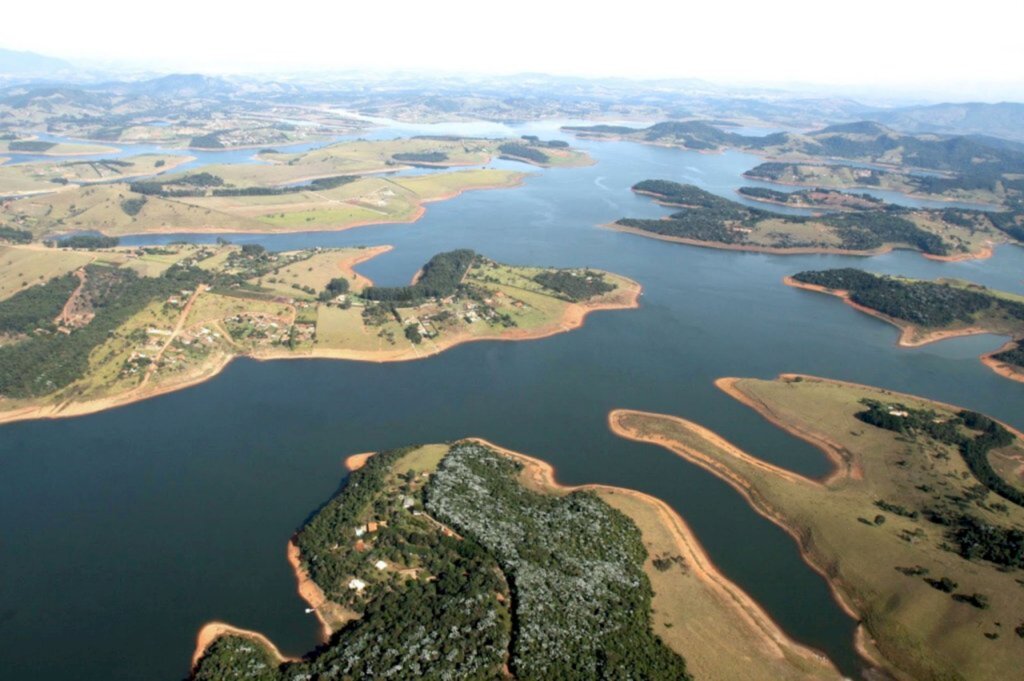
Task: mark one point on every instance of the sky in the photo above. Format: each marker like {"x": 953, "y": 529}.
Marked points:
{"x": 971, "y": 49}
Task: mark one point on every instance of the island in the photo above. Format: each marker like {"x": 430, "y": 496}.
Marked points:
{"x": 713, "y": 221}
{"x": 964, "y": 167}
{"x": 84, "y": 330}
{"x": 918, "y": 529}
{"x": 926, "y": 311}
{"x": 336, "y": 187}
{"x": 540, "y": 581}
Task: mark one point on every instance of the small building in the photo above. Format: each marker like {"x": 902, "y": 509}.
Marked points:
{"x": 361, "y": 530}
{"x": 899, "y": 412}
{"x": 380, "y": 564}
{"x": 371, "y": 526}
{"x": 356, "y": 584}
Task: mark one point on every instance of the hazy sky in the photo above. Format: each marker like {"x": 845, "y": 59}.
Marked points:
{"x": 940, "y": 46}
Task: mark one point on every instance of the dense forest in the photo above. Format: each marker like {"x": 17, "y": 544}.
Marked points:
{"x": 46, "y": 362}
{"x": 37, "y": 306}
{"x": 581, "y": 601}
{"x": 466, "y": 606}
{"x": 925, "y": 303}
{"x": 575, "y": 286}
{"x": 440, "y": 278}
{"x": 712, "y": 218}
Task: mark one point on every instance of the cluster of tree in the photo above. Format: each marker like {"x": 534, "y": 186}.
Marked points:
{"x": 441, "y": 277}
{"x": 950, "y": 430}
{"x": 44, "y": 363}
{"x": 335, "y": 287}
{"x": 925, "y": 303}
{"x": 535, "y": 141}
{"x": 581, "y": 601}
{"x": 514, "y": 150}
{"x": 37, "y": 306}
{"x": 196, "y": 184}
{"x": 575, "y": 286}
{"x": 976, "y": 539}
{"x": 208, "y": 141}
{"x": 420, "y": 157}
{"x": 1012, "y": 355}
{"x": 88, "y": 241}
{"x": 133, "y": 205}
{"x": 319, "y": 184}
{"x": 15, "y": 235}
{"x": 406, "y": 622}
{"x": 31, "y": 146}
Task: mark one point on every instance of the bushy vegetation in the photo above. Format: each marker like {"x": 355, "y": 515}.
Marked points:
{"x": 37, "y": 306}
{"x": 88, "y": 241}
{"x": 420, "y": 157}
{"x": 47, "y": 362}
{"x": 581, "y": 601}
{"x": 31, "y": 146}
{"x": 441, "y": 277}
{"x": 132, "y": 206}
{"x": 319, "y": 184}
{"x": 575, "y": 286}
{"x": 195, "y": 184}
{"x": 522, "y": 151}
{"x": 15, "y": 235}
{"x": 924, "y": 303}
{"x": 956, "y": 431}
{"x": 1013, "y": 355}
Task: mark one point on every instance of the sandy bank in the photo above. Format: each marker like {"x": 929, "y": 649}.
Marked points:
{"x": 1004, "y": 369}
{"x": 740, "y": 484}
{"x": 211, "y": 631}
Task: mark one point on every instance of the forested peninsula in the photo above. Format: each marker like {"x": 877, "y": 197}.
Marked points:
{"x": 928, "y": 311}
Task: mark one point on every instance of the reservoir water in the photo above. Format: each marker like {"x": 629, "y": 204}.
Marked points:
{"x": 122, "y": 532}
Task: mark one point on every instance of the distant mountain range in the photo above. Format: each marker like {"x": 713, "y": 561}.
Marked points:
{"x": 1005, "y": 119}
{"x": 29, "y": 64}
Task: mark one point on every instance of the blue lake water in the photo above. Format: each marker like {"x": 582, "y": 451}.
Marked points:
{"x": 122, "y": 532}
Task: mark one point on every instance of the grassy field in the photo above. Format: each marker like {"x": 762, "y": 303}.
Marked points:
{"x": 62, "y": 149}
{"x": 50, "y": 176}
{"x": 314, "y": 272}
{"x": 698, "y": 620}
{"x": 367, "y": 200}
{"x": 22, "y": 267}
{"x": 919, "y": 630}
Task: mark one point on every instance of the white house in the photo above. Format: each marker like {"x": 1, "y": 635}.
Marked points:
{"x": 357, "y": 584}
